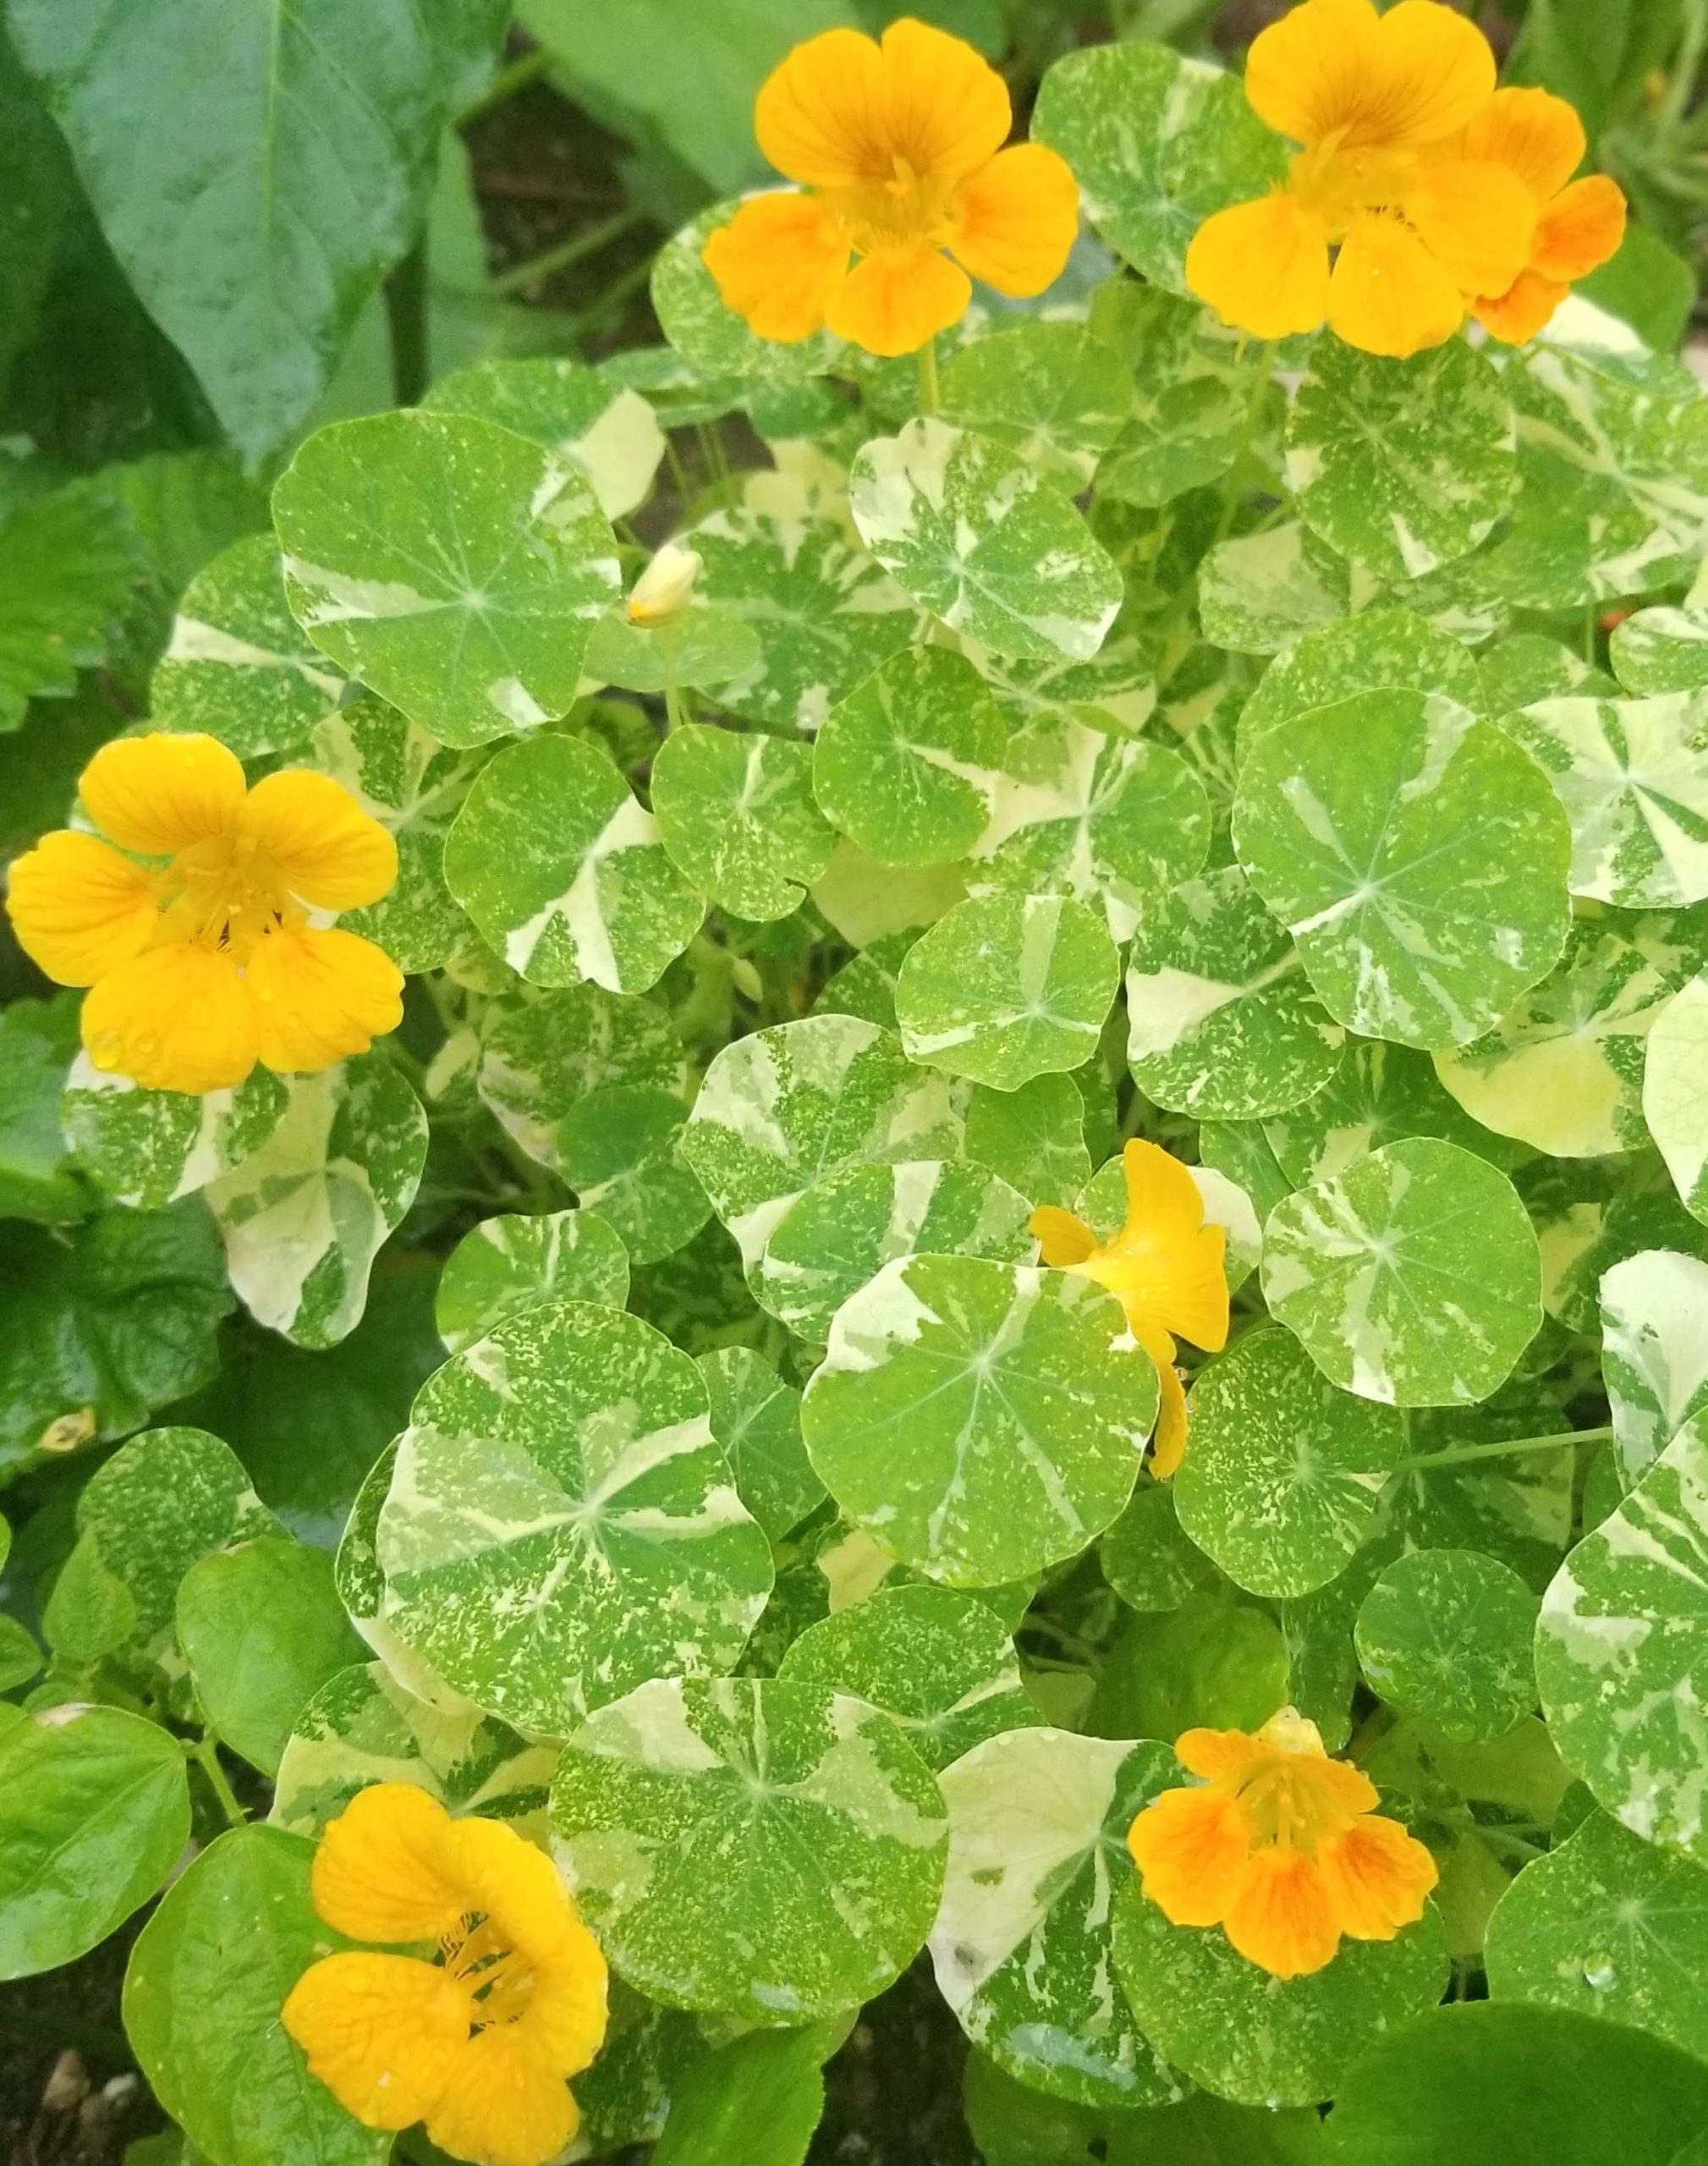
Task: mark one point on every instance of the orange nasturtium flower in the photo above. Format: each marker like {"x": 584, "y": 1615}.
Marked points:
{"x": 202, "y": 960}
{"x": 1579, "y": 223}
{"x": 899, "y": 150}
{"x": 479, "y": 2043}
{"x": 1279, "y": 1847}
{"x": 1164, "y": 1267}
{"x": 1421, "y": 219}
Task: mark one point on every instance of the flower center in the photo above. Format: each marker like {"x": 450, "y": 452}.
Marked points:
{"x": 498, "y": 1982}
{"x": 1286, "y": 1801}
{"x": 1336, "y": 182}
{"x": 226, "y": 892}
{"x": 892, "y": 210}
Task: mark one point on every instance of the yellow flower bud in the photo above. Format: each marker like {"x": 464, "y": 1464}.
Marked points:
{"x": 665, "y": 587}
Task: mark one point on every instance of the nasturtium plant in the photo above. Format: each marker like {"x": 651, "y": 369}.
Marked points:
{"x": 854, "y": 1082}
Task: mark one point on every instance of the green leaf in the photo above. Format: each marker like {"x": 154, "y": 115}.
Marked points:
{"x": 563, "y": 870}
{"x": 1647, "y": 285}
{"x": 1158, "y": 143}
{"x": 938, "y": 1664}
{"x": 94, "y": 1814}
{"x": 1195, "y": 380}
{"x": 982, "y": 1420}
{"x": 206, "y": 1980}
{"x": 1149, "y": 1558}
{"x": 539, "y": 1058}
{"x": 1660, "y": 650}
{"x": 1282, "y": 1479}
{"x": 737, "y": 818}
{"x": 37, "y": 1038}
{"x": 1378, "y": 1094}
{"x": 617, "y": 1149}
{"x": 1116, "y": 688}
{"x": 1038, "y": 1823}
{"x": 755, "y": 1421}
{"x": 606, "y": 432}
{"x": 453, "y": 567}
{"x": 307, "y": 1211}
{"x": 149, "y": 1148}
{"x": 1675, "y": 1095}
{"x": 1419, "y": 863}
{"x": 1383, "y": 649}
{"x": 755, "y": 2102}
{"x": 1528, "y": 667}
{"x": 511, "y": 1262}
{"x": 1260, "y": 592}
{"x": 66, "y": 566}
{"x": 973, "y": 535}
{"x": 1413, "y": 1278}
{"x": 1612, "y": 1928}
{"x": 769, "y": 1848}
{"x": 262, "y": 1630}
{"x": 1033, "y": 1138}
{"x": 90, "y": 1613}
{"x": 20, "y": 1659}
{"x": 1006, "y": 987}
{"x": 1655, "y": 1355}
{"x": 560, "y": 1523}
{"x": 1404, "y": 465}
{"x": 1516, "y": 1507}
{"x": 1049, "y": 391}
{"x": 702, "y": 646}
{"x": 1445, "y": 1634}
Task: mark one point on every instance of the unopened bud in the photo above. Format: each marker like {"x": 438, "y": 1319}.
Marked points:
{"x": 665, "y": 587}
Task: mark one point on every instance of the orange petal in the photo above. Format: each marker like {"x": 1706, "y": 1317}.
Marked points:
{"x": 79, "y": 908}
{"x": 1066, "y": 1240}
{"x": 1262, "y": 266}
{"x": 384, "y": 1870}
{"x": 897, "y": 298}
{"x": 821, "y": 113}
{"x": 1217, "y": 1754}
{"x": 1526, "y": 307}
{"x": 1388, "y": 294}
{"x": 500, "y": 2105}
{"x": 1015, "y": 219}
{"x": 320, "y": 996}
{"x": 157, "y": 795}
{"x": 1306, "y": 73}
{"x": 1378, "y": 1878}
{"x": 946, "y": 109}
{"x": 1536, "y": 136}
{"x": 1192, "y": 1848}
{"x": 1281, "y": 1918}
{"x": 1477, "y": 220}
{"x": 1166, "y": 1264}
{"x": 177, "y": 1017}
{"x": 326, "y": 850}
{"x": 380, "y": 2032}
{"x": 776, "y": 264}
{"x": 1435, "y": 72}
{"x": 1168, "y": 1440}
{"x": 1580, "y": 229}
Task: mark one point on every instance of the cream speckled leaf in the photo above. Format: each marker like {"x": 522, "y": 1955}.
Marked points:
{"x": 1034, "y": 1137}
{"x": 1528, "y": 667}
{"x": 1401, "y": 466}
{"x": 712, "y": 338}
{"x": 1662, "y": 651}
{"x": 1621, "y": 1648}
{"x": 1381, "y": 650}
{"x": 452, "y": 566}
{"x": 780, "y": 1108}
{"x": 560, "y": 1524}
{"x": 1196, "y": 379}
{"x": 849, "y": 1225}
{"x": 363, "y": 1727}
{"x": 148, "y": 1148}
{"x": 702, "y": 646}
{"x": 539, "y": 1057}
{"x": 1148, "y": 1558}
{"x": 1038, "y": 1824}
{"x": 1223, "y": 1023}
{"x": 1006, "y": 987}
{"x": 608, "y": 432}
{"x": 1284, "y": 1473}
{"x": 1158, "y": 142}
{"x": 306, "y": 1211}
{"x": 1517, "y": 1507}
{"x": 1258, "y": 592}
{"x": 616, "y": 1148}
{"x": 1655, "y": 1355}
{"x": 1675, "y": 1091}
{"x": 562, "y": 870}
{"x": 755, "y": 1418}
{"x": 1378, "y": 1094}
{"x": 737, "y": 818}
{"x": 1445, "y": 1634}
{"x": 512, "y": 1262}
{"x": 1116, "y": 688}
{"x": 1419, "y": 862}
{"x": 1050, "y": 391}
{"x": 973, "y": 535}
{"x": 237, "y": 666}
{"x": 982, "y": 1420}
{"x": 1414, "y": 1277}
{"x": 764, "y": 1849}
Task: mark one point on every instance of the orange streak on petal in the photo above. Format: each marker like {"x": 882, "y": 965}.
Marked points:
{"x": 1215, "y": 1754}
{"x": 384, "y": 1870}
{"x": 946, "y": 109}
{"x": 1477, "y": 220}
{"x": 821, "y": 117}
{"x": 895, "y": 299}
{"x": 159, "y": 793}
{"x": 320, "y": 996}
{"x": 79, "y": 908}
{"x": 1281, "y": 1918}
{"x": 1527, "y": 306}
{"x": 1536, "y": 136}
{"x": 1306, "y": 74}
{"x": 776, "y": 264}
{"x": 1263, "y": 267}
{"x": 1193, "y": 1850}
{"x": 1015, "y": 218}
{"x": 328, "y": 852}
{"x": 1579, "y": 230}
{"x": 1378, "y": 1878}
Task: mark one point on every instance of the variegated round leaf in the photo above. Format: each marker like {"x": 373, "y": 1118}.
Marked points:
{"x": 1380, "y": 651}
{"x": 1050, "y": 391}
{"x": 606, "y": 432}
{"x": 1196, "y": 379}
{"x": 755, "y": 1417}
{"x": 1378, "y": 1094}
{"x": 540, "y": 1056}
{"x": 1258, "y": 592}
{"x": 1655, "y": 1355}
{"x": 148, "y": 1148}
{"x": 513, "y": 1263}
{"x": 1445, "y": 1634}
{"x": 617, "y": 1147}
{"x": 1662, "y": 651}
{"x": 737, "y": 818}
{"x": 1675, "y": 1091}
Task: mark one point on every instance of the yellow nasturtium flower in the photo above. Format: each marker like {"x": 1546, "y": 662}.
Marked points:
{"x": 1418, "y": 219}
{"x": 194, "y": 933}
{"x": 1164, "y": 1267}
{"x": 898, "y": 149}
{"x": 1278, "y": 1845}
{"x": 479, "y": 2043}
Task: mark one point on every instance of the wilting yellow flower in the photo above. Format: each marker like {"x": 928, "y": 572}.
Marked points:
{"x": 1279, "y": 1847}
{"x": 1579, "y": 223}
{"x": 665, "y": 587}
{"x": 1420, "y": 220}
{"x": 203, "y": 960}
{"x": 1164, "y": 1267}
{"x": 479, "y": 2043}
{"x": 899, "y": 149}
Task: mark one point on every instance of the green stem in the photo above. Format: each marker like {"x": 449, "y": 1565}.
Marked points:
{"x": 563, "y": 253}
{"x": 1254, "y": 415}
{"x": 925, "y": 362}
{"x": 1500, "y": 1448}
{"x": 614, "y": 296}
{"x": 406, "y": 315}
{"x": 515, "y": 75}
{"x": 205, "y": 1755}
{"x": 667, "y": 638}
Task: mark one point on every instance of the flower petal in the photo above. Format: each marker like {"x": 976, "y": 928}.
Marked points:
{"x": 1476, "y": 219}
{"x": 327, "y": 850}
{"x": 1388, "y": 294}
{"x": 1165, "y": 1265}
{"x": 1015, "y": 219}
{"x": 1263, "y": 267}
{"x": 1306, "y": 74}
{"x": 1281, "y": 1918}
{"x": 320, "y": 996}
{"x": 1065, "y": 1239}
{"x": 1192, "y": 1848}
{"x": 1579, "y": 230}
{"x": 946, "y": 109}
{"x": 177, "y": 1017}
{"x": 1527, "y": 306}
{"x": 1378, "y": 1878}
{"x": 79, "y": 908}
{"x": 1217, "y": 1754}
{"x": 776, "y": 264}
{"x": 380, "y": 2031}
{"x": 384, "y": 1869}
{"x": 529, "y": 1909}
{"x": 157, "y": 795}
{"x": 897, "y": 298}
{"x": 500, "y": 2106}
{"x": 1435, "y": 72}
{"x": 1173, "y": 1423}
{"x": 820, "y": 115}
{"x": 1534, "y": 134}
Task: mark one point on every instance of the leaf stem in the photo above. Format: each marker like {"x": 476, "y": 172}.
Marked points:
{"x": 562, "y": 254}
{"x": 205, "y": 1754}
{"x": 925, "y": 362}
{"x": 1500, "y": 1448}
